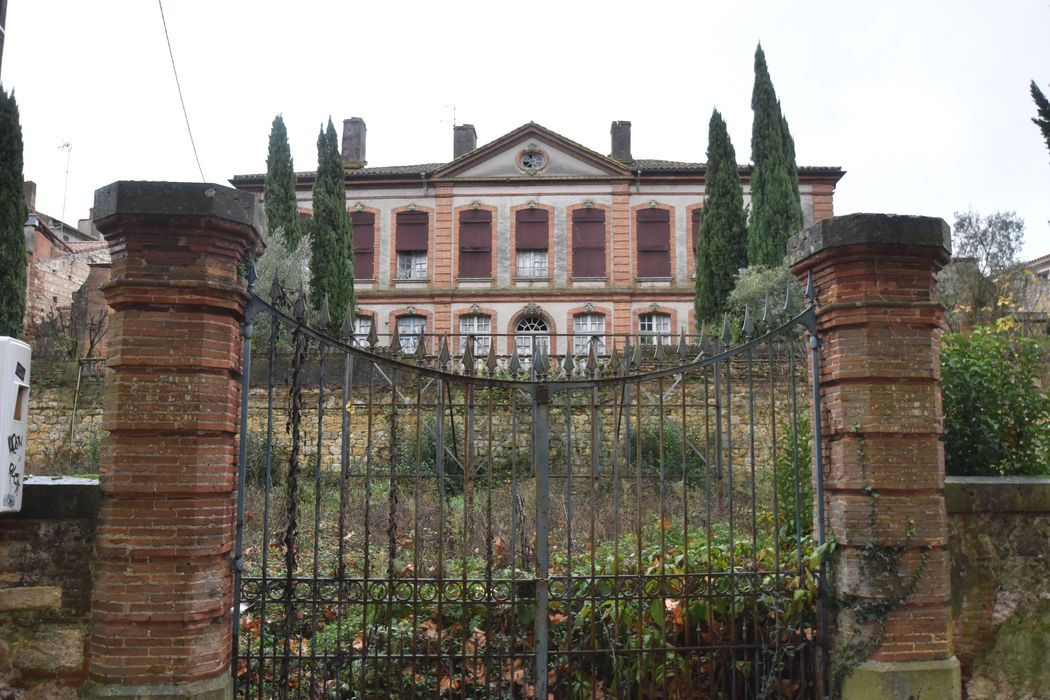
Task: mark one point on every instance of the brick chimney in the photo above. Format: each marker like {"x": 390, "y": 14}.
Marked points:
{"x": 354, "y": 141}
{"x": 464, "y": 140}
{"x": 621, "y": 141}
{"x": 29, "y": 192}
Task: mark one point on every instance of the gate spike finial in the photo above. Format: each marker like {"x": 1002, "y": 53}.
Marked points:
{"x": 253, "y": 274}
{"x": 373, "y": 335}
{"x": 468, "y": 355}
{"x": 491, "y": 363}
{"x": 614, "y": 360}
{"x": 636, "y": 361}
{"x": 811, "y": 290}
{"x": 348, "y": 324}
{"x": 543, "y": 366}
{"x": 567, "y": 364}
{"x": 276, "y": 293}
{"x": 515, "y": 363}
{"x": 726, "y": 335}
{"x": 789, "y": 308}
{"x": 749, "y": 324}
{"x": 300, "y": 306}
{"x": 767, "y": 320}
{"x": 592, "y": 355}
{"x": 683, "y": 348}
{"x": 421, "y": 347}
{"x": 444, "y": 356}
{"x": 660, "y": 354}
{"x": 702, "y": 340}
{"x": 325, "y": 317}
{"x": 395, "y": 342}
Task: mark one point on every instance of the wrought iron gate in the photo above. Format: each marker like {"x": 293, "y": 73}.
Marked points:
{"x": 608, "y": 517}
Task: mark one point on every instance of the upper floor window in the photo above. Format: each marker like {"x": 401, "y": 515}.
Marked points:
{"x": 475, "y": 244}
{"x": 531, "y": 333}
{"x": 586, "y": 327}
{"x": 480, "y": 327}
{"x": 653, "y": 235}
{"x": 694, "y": 239}
{"x": 531, "y": 243}
{"x": 654, "y": 328}
{"x": 588, "y": 243}
{"x": 408, "y": 330}
{"x": 411, "y": 244}
{"x": 364, "y": 224}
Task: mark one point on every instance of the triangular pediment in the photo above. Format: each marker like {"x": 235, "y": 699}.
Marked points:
{"x": 532, "y": 152}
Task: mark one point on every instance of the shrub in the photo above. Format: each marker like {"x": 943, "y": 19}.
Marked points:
{"x": 996, "y": 415}
{"x": 787, "y": 471}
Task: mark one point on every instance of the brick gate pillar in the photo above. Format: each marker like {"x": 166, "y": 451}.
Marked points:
{"x": 160, "y": 609}
{"x": 884, "y": 460}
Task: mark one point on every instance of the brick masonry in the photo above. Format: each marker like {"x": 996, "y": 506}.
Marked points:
{"x": 881, "y": 421}
{"x": 160, "y": 608}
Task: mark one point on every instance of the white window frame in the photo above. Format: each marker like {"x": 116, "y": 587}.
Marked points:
{"x": 362, "y": 327}
{"x": 408, "y": 328}
{"x": 479, "y": 326}
{"x": 532, "y": 264}
{"x": 654, "y": 328}
{"x": 526, "y": 339}
{"x": 412, "y": 265}
{"x": 584, "y": 327}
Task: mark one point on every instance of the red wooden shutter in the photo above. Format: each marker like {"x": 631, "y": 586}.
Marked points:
{"x": 364, "y": 244}
{"x": 531, "y": 230}
{"x": 411, "y": 231}
{"x": 654, "y": 243}
{"x": 695, "y": 240}
{"x": 588, "y": 243}
{"x": 475, "y": 243}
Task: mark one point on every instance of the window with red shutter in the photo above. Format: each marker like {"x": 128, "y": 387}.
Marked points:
{"x": 410, "y": 242}
{"x": 653, "y": 236}
{"x": 475, "y": 244}
{"x": 364, "y": 244}
{"x": 588, "y": 243}
{"x": 531, "y": 243}
{"x": 695, "y": 239}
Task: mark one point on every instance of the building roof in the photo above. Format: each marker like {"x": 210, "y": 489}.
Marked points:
{"x": 638, "y": 167}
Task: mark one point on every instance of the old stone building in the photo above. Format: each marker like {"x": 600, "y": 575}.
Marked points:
{"x": 529, "y": 238}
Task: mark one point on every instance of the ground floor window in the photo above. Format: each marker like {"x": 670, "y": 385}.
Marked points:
{"x": 584, "y": 328}
{"x": 531, "y": 333}
{"x": 478, "y": 326}
{"x": 654, "y": 328}
{"x": 408, "y": 330}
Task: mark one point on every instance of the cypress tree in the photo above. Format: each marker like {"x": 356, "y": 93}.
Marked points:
{"x": 12, "y": 220}
{"x": 776, "y": 209}
{"x": 331, "y": 244}
{"x": 1042, "y": 106}
{"x": 279, "y": 188}
{"x": 722, "y": 248}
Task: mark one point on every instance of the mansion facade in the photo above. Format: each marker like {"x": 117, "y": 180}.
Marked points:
{"x": 531, "y": 238}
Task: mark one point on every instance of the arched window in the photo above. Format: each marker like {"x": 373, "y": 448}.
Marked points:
{"x": 408, "y": 330}
{"x": 530, "y": 333}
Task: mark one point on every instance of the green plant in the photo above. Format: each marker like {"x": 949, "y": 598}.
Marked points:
{"x": 12, "y": 219}
{"x": 792, "y": 476}
{"x": 688, "y": 461}
{"x": 255, "y": 460}
{"x": 996, "y": 414}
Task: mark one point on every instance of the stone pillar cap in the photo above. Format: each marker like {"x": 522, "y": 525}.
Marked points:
{"x": 147, "y": 198}
{"x": 869, "y": 229}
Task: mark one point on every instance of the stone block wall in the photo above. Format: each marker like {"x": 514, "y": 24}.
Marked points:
{"x": 999, "y": 540}
{"x": 45, "y": 589}
{"x": 51, "y": 397}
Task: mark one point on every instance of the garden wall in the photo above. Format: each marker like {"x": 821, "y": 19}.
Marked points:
{"x": 45, "y": 589}
{"x": 1000, "y": 554}
{"x": 51, "y": 398}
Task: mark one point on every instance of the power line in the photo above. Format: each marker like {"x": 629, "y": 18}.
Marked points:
{"x": 179, "y": 86}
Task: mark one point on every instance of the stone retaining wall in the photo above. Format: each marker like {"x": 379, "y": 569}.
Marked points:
{"x": 45, "y": 589}
{"x": 1000, "y": 565}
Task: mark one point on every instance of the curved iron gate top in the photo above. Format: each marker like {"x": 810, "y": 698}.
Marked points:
{"x": 627, "y": 521}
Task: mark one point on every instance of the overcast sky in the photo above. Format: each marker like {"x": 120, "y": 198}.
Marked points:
{"x": 924, "y": 104}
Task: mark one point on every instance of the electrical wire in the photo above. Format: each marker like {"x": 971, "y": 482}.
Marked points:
{"x": 185, "y": 114}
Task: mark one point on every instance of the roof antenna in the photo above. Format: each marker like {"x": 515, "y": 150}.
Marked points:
{"x": 66, "y": 146}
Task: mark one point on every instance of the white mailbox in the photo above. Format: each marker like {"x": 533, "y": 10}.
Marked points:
{"x": 15, "y": 359}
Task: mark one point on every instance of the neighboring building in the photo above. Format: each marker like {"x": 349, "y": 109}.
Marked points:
{"x": 528, "y": 237}
{"x": 59, "y": 259}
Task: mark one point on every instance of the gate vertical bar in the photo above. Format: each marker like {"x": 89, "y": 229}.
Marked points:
{"x": 541, "y": 458}
{"x": 242, "y": 449}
